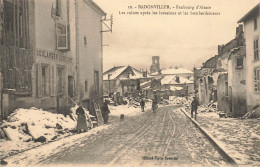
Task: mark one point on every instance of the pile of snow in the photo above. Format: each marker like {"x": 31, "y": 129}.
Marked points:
{"x": 180, "y": 100}
{"x": 37, "y": 125}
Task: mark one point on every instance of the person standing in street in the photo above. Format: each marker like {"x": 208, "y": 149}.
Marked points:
{"x": 154, "y": 105}
{"x": 82, "y": 121}
{"x": 142, "y": 104}
{"x": 194, "y": 107}
{"x": 130, "y": 102}
{"x": 105, "y": 112}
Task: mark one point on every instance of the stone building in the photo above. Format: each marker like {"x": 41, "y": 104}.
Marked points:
{"x": 252, "y": 32}
{"x": 123, "y": 79}
{"x": 211, "y": 80}
{"x": 203, "y": 81}
{"x": 50, "y": 50}
{"x": 180, "y": 86}
{"x": 236, "y": 81}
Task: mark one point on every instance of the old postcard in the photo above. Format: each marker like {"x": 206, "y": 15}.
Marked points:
{"x": 129, "y": 83}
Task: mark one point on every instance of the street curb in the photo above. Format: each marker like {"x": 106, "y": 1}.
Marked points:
{"x": 212, "y": 140}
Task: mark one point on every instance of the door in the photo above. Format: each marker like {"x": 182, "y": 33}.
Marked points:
{"x": 71, "y": 86}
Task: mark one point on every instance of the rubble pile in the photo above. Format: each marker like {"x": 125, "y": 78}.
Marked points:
{"x": 37, "y": 125}
{"x": 211, "y": 107}
{"x": 180, "y": 100}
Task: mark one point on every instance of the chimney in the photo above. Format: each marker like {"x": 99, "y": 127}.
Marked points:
{"x": 239, "y": 30}
{"x": 109, "y": 76}
{"x": 220, "y": 47}
{"x": 177, "y": 79}
{"x": 144, "y": 74}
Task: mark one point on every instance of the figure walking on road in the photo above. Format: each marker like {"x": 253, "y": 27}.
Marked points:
{"x": 154, "y": 105}
{"x": 82, "y": 121}
{"x": 142, "y": 104}
{"x": 105, "y": 112}
{"x": 130, "y": 102}
{"x": 194, "y": 107}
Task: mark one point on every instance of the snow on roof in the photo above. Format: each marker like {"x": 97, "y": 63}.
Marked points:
{"x": 137, "y": 74}
{"x": 177, "y": 71}
{"x": 115, "y": 73}
{"x": 167, "y": 79}
{"x": 173, "y": 88}
{"x": 172, "y": 80}
{"x": 145, "y": 82}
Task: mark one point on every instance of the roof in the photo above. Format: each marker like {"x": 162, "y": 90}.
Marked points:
{"x": 254, "y": 11}
{"x": 173, "y": 88}
{"x": 176, "y": 71}
{"x": 172, "y": 80}
{"x": 96, "y": 6}
{"x": 115, "y": 72}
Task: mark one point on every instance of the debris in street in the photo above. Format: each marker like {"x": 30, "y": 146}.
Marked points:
{"x": 252, "y": 112}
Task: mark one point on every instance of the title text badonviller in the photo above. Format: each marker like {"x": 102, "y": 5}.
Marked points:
{"x": 154, "y": 7}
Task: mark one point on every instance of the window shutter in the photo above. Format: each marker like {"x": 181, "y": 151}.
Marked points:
{"x": 68, "y": 37}
{"x": 38, "y": 80}
{"x": 52, "y": 85}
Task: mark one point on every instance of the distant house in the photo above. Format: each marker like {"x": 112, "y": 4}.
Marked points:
{"x": 123, "y": 79}
{"x": 182, "y": 72}
{"x": 252, "y": 32}
{"x": 178, "y": 84}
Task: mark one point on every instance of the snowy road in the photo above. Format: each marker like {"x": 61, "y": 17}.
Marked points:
{"x": 163, "y": 138}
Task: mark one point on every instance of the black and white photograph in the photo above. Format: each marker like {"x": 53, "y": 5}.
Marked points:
{"x": 130, "y": 83}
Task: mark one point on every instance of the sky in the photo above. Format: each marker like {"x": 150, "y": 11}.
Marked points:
{"x": 179, "y": 40}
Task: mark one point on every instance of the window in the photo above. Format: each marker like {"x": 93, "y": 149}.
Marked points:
{"x": 257, "y": 79}
{"x": 60, "y": 81}
{"x": 15, "y": 22}
{"x": 86, "y": 86}
{"x": 255, "y": 24}
{"x": 62, "y": 40}
{"x": 96, "y": 81}
{"x": 239, "y": 62}
{"x": 71, "y": 85}
{"x": 256, "y": 54}
{"x": 44, "y": 80}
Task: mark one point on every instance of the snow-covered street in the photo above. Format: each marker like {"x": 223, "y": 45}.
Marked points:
{"x": 166, "y": 137}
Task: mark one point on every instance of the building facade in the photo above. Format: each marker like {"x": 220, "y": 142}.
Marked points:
{"x": 252, "y": 32}
{"x": 51, "y": 51}
{"x": 237, "y": 81}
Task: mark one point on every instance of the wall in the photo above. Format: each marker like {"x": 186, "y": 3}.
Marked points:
{"x": 43, "y": 37}
{"x": 252, "y": 97}
{"x": 90, "y": 55}
{"x": 236, "y": 82}
{"x": 223, "y": 104}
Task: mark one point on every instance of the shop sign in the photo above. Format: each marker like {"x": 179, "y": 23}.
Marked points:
{"x": 52, "y": 55}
